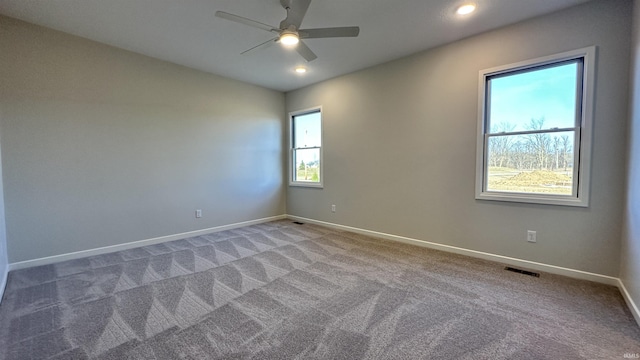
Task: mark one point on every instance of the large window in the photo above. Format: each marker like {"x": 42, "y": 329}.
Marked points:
{"x": 306, "y": 148}
{"x": 534, "y": 130}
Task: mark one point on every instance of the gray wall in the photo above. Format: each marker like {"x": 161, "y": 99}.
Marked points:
{"x": 102, "y": 146}
{"x": 400, "y": 145}
{"x": 4, "y": 260}
{"x": 630, "y": 254}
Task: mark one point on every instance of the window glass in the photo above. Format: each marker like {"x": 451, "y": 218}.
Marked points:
{"x": 546, "y": 96}
{"x": 306, "y": 149}
{"x": 534, "y": 163}
{"x": 307, "y": 130}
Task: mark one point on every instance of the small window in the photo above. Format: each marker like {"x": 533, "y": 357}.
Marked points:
{"x": 534, "y": 130}
{"x": 306, "y": 148}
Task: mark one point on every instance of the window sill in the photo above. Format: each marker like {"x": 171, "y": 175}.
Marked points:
{"x": 307, "y": 185}
{"x": 542, "y": 199}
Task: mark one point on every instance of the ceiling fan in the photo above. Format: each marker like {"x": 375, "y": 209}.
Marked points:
{"x": 289, "y": 32}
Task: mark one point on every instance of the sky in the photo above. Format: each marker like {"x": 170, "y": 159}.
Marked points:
{"x": 307, "y": 130}
{"x": 548, "y": 93}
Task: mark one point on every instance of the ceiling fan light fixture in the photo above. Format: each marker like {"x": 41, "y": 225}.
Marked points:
{"x": 466, "y": 9}
{"x": 289, "y": 39}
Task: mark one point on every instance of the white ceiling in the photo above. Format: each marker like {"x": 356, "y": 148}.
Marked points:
{"x": 186, "y": 32}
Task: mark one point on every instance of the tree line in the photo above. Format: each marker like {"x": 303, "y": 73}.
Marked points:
{"x": 540, "y": 151}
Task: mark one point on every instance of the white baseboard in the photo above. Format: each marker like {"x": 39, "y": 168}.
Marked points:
{"x": 635, "y": 311}
{"x": 130, "y": 245}
{"x": 532, "y": 265}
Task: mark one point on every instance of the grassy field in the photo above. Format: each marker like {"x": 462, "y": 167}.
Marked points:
{"x": 311, "y": 174}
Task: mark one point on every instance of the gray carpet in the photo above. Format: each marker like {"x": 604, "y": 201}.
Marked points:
{"x": 285, "y": 291}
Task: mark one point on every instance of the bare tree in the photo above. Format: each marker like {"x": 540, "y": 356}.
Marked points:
{"x": 566, "y": 150}
{"x": 556, "y": 152}
{"x": 540, "y": 142}
{"x": 519, "y": 155}
{"x": 500, "y": 146}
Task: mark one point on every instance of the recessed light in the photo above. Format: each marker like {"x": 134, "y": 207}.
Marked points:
{"x": 466, "y": 9}
{"x": 301, "y": 69}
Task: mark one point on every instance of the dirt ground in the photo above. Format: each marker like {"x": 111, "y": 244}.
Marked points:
{"x": 537, "y": 181}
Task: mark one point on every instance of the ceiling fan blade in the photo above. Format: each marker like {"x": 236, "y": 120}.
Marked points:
{"x": 305, "y": 52}
{"x": 347, "y": 31}
{"x": 263, "y": 45}
{"x": 245, "y": 21}
{"x": 296, "y": 10}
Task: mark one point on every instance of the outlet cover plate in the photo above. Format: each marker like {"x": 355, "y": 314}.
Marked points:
{"x": 531, "y": 236}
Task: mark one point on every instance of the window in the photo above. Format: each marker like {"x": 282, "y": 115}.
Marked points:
{"x": 534, "y": 130}
{"x": 306, "y": 148}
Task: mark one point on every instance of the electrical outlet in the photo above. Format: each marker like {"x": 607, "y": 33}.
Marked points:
{"x": 531, "y": 236}
{"x": 198, "y": 213}
{"x": 333, "y": 208}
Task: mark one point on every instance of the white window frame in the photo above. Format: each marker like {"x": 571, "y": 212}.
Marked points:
{"x": 582, "y": 154}
{"x": 292, "y": 166}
